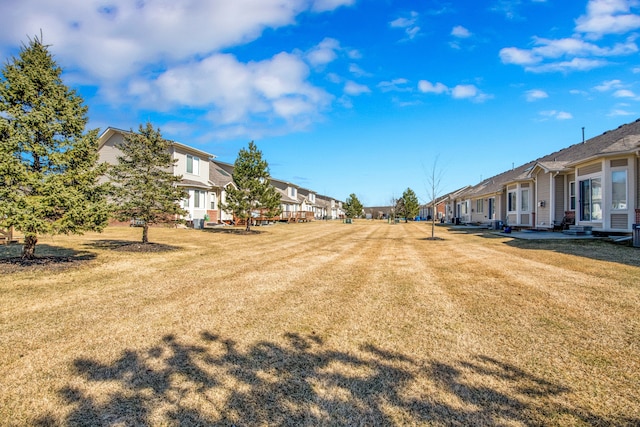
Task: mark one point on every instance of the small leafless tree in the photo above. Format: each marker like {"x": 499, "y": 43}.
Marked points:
{"x": 434, "y": 186}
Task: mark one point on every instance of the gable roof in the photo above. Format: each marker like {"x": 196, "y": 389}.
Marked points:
{"x": 108, "y": 132}
{"x": 218, "y": 176}
{"x": 623, "y": 140}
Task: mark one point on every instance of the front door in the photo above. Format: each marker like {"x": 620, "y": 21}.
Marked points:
{"x": 491, "y": 207}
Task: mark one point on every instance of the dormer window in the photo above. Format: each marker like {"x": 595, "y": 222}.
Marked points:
{"x": 292, "y": 191}
{"x": 193, "y": 165}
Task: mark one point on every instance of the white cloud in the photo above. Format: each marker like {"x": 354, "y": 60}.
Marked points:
{"x": 460, "y": 32}
{"x": 514, "y": 55}
{"x": 558, "y": 115}
{"x": 624, "y": 93}
{"x": 396, "y": 85}
{"x": 608, "y": 85}
{"x": 327, "y": 5}
{"x": 580, "y": 52}
{"x": 357, "y": 71}
{"x": 574, "y": 53}
{"x": 608, "y": 17}
{"x": 464, "y": 91}
{"x": 409, "y": 24}
{"x": 578, "y": 92}
{"x": 576, "y": 64}
{"x": 353, "y": 88}
{"x": 428, "y": 87}
{"x": 324, "y": 52}
{"x": 620, "y": 112}
{"x": 114, "y": 42}
{"x": 536, "y": 94}
{"x": 233, "y": 91}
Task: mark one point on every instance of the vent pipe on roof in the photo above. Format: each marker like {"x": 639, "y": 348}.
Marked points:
{"x": 583, "y": 134}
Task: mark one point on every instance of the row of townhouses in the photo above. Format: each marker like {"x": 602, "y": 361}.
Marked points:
{"x": 595, "y": 183}
{"x": 205, "y": 180}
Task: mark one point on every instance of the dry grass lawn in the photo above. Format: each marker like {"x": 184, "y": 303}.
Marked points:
{"x": 321, "y": 324}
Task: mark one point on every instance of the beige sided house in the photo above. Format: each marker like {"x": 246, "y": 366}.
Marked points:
{"x": 289, "y": 202}
{"x": 445, "y": 206}
{"x": 332, "y": 206}
{"x": 192, "y": 164}
{"x": 220, "y": 176}
{"x": 308, "y": 204}
{"x": 597, "y": 182}
{"x": 593, "y": 184}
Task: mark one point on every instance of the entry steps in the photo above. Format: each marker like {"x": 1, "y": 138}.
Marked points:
{"x": 578, "y": 230}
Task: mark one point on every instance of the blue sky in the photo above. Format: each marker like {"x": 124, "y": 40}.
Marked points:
{"x": 350, "y": 96}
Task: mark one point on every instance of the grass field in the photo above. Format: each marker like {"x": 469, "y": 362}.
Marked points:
{"x": 321, "y": 324}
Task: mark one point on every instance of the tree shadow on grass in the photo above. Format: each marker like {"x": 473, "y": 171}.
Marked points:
{"x": 593, "y": 249}
{"x": 300, "y": 382}
{"x": 240, "y": 231}
{"x": 46, "y": 257}
{"x": 131, "y": 246}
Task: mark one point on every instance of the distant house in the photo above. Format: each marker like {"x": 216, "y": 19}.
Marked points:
{"x": 192, "y": 164}
{"x": 595, "y": 183}
{"x": 444, "y": 206}
{"x": 308, "y": 204}
{"x": 220, "y": 179}
{"x": 332, "y": 207}
{"x": 207, "y": 180}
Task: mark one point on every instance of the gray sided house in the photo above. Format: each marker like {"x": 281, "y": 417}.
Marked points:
{"x": 331, "y": 208}
{"x": 309, "y": 204}
{"x": 445, "y": 206}
{"x": 595, "y": 183}
{"x": 289, "y": 202}
{"x": 220, "y": 179}
{"x": 192, "y": 164}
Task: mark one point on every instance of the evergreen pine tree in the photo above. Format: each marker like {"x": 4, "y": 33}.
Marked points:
{"x": 410, "y": 204}
{"x": 144, "y": 188}
{"x": 48, "y": 171}
{"x": 253, "y": 191}
{"x": 352, "y": 207}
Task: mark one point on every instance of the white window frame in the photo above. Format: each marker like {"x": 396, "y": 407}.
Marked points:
{"x": 572, "y": 196}
{"x": 193, "y": 163}
{"x": 581, "y": 212}
{"x": 512, "y": 206}
{"x": 626, "y": 189}
{"x": 213, "y": 201}
{"x": 480, "y": 206}
{"x": 525, "y": 203}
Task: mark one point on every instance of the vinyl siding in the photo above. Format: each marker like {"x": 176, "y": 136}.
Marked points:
{"x": 619, "y": 221}
{"x": 560, "y": 198}
{"x": 588, "y": 170}
{"x": 544, "y": 194}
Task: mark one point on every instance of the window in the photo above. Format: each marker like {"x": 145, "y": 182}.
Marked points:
{"x": 572, "y": 196}
{"x": 524, "y": 195}
{"x": 292, "y": 191}
{"x": 193, "y": 164}
{"x": 197, "y": 198}
{"x": 591, "y": 200}
{"x": 214, "y": 198}
{"x": 619, "y": 189}
{"x": 511, "y": 201}
{"x": 480, "y": 206}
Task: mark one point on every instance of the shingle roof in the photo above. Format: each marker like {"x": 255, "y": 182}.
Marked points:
{"x": 218, "y": 176}
{"x": 624, "y": 139}
{"x": 192, "y": 183}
